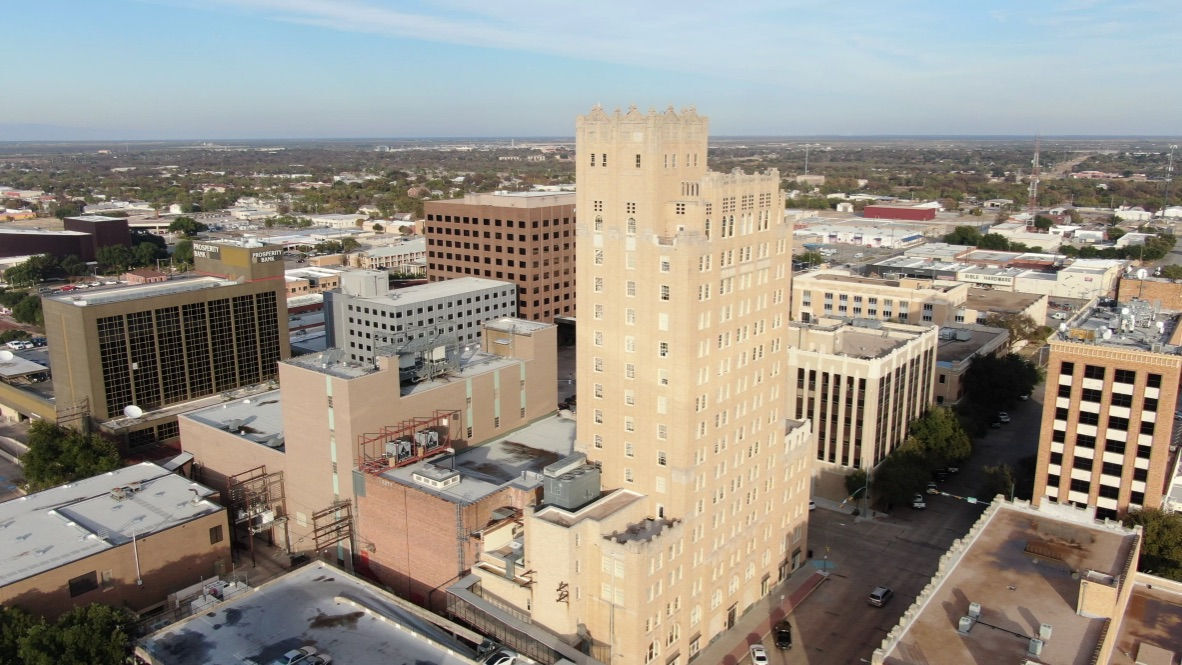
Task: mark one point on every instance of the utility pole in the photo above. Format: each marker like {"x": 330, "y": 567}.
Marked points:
{"x": 1034, "y": 172}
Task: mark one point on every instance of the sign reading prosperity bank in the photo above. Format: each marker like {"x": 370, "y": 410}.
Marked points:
{"x": 204, "y": 251}
{"x": 268, "y": 256}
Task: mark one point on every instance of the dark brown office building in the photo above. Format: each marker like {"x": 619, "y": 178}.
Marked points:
{"x": 162, "y": 344}
{"x": 104, "y": 232}
{"x": 28, "y": 242}
{"x": 523, "y": 237}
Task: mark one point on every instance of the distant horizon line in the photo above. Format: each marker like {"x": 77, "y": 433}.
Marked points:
{"x": 571, "y": 139}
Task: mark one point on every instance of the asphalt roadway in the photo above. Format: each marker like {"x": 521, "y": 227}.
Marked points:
{"x": 835, "y": 625}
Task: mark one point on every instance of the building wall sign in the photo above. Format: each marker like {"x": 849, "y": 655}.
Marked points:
{"x": 207, "y": 251}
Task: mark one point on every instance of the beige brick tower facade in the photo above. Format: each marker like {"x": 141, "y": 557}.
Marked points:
{"x": 683, "y": 281}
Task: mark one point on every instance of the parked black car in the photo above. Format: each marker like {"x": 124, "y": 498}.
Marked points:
{"x": 783, "y": 634}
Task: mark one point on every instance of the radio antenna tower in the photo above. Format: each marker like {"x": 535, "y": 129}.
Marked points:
{"x": 1165, "y": 203}
{"x": 1033, "y": 203}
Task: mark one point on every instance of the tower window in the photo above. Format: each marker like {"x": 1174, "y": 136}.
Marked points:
{"x": 638, "y": 161}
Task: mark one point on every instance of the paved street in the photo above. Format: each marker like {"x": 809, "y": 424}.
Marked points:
{"x": 835, "y": 625}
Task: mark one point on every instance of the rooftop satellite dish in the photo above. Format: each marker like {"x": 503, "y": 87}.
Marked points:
{"x": 132, "y": 411}
{"x": 1062, "y": 327}
{"x": 1142, "y": 273}
{"x": 6, "y": 355}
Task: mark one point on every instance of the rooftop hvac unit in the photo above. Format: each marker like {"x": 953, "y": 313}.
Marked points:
{"x": 1035, "y": 647}
{"x": 572, "y": 489}
{"x": 975, "y": 610}
{"x": 399, "y": 448}
{"x": 1044, "y": 632}
{"x": 427, "y": 438}
{"x": 965, "y": 625}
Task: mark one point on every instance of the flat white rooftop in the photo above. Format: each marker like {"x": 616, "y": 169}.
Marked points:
{"x": 409, "y": 247}
{"x": 136, "y": 292}
{"x": 51, "y": 528}
{"x": 340, "y": 615}
{"x": 447, "y": 288}
{"x": 258, "y": 418}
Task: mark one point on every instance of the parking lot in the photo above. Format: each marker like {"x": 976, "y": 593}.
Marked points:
{"x": 836, "y": 625}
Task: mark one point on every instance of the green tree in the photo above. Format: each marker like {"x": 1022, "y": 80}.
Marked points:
{"x": 854, "y": 481}
{"x": 809, "y": 258}
{"x": 1115, "y": 232}
{"x": 940, "y": 437}
{"x": 15, "y": 623}
{"x": 992, "y": 383}
{"x": 1161, "y": 547}
{"x": 963, "y": 235}
{"x": 187, "y": 226}
{"x": 145, "y": 254}
{"x": 73, "y": 266}
{"x": 182, "y": 253}
{"x": 1020, "y": 326}
{"x": 13, "y": 334}
{"x": 996, "y": 241}
{"x": 33, "y": 271}
{"x": 29, "y": 311}
{"x": 1171, "y": 272}
{"x": 114, "y": 258}
{"x": 998, "y": 480}
{"x": 901, "y": 475}
{"x": 94, "y": 634}
{"x": 59, "y": 455}
{"x": 378, "y": 228}
{"x": 349, "y": 245}
{"x": 68, "y": 209}
{"x": 1043, "y": 222}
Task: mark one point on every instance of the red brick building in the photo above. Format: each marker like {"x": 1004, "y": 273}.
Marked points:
{"x": 523, "y": 237}
{"x": 144, "y": 276}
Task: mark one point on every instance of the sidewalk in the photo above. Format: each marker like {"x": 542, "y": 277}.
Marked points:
{"x": 731, "y": 648}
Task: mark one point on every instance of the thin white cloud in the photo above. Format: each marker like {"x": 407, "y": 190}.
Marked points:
{"x": 745, "y": 40}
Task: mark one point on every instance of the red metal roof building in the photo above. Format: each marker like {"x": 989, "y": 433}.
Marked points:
{"x": 899, "y": 212}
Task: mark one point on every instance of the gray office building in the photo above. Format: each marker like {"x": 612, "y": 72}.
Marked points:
{"x": 364, "y": 314}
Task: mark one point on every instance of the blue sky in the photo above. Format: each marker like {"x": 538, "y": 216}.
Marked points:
{"x": 380, "y": 68}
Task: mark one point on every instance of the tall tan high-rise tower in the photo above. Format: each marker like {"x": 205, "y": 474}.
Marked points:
{"x": 683, "y": 281}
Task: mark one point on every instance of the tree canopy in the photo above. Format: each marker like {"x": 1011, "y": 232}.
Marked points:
{"x": 998, "y": 479}
{"x": 93, "y": 634}
{"x": 940, "y": 438}
{"x": 187, "y": 226}
{"x": 902, "y": 474}
{"x": 182, "y": 252}
{"x": 1020, "y": 326}
{"x": 854, "y": 481}
{"x": 994, "y": 383}
{"x": 809, "y": 258}
{"x": 59, "y": 455}
{"x": 1161, "y": 548}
